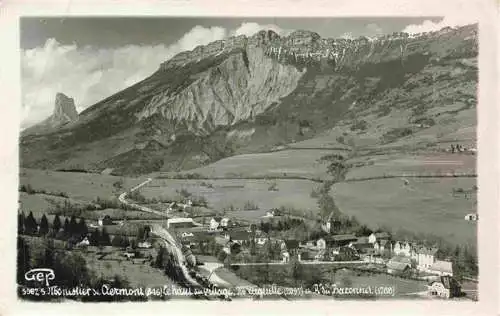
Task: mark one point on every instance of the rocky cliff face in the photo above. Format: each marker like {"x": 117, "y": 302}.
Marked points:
{"x": 64, "y": 113}
{"x": 64, "y": 110}
{"x": 243, "y": 86}
{"x": 276, "y": 87}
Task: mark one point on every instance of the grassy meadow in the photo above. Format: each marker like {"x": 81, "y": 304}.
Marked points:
{"x": 425, "y": 205}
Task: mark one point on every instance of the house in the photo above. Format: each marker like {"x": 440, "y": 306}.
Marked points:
{"x": 321, "y": 244}
{"x": 238, "y": 236}
{"x": 425, "y": 257}
{"x": 404, "y": 249}
{"x": 84, "y": 243}
{"x": 442, "y": 268}
{"x": 445, "y": 287}
{"x": 214, "y": 223}
{"x": 362, "y": 247}
{"x": 106, "y": 220}
{"x": 374, "y": 237}
{"x": 144, "y": 245}
{"x": 260, "y": 239}
{"x": 273, "y": 212}
{"x": 340, "y": 240}
{"x": 380, "y": 245}
{"x": 286, "y": 256}
{"x": 329, "y": 225}
{"x": 471, "y": 217}
{"x": 345, "y": 254}
{"x": 224, "y": 222}
{"x": 398, "y": 264}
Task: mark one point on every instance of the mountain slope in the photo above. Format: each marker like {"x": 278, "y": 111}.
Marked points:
{"x": 250, "y": 94}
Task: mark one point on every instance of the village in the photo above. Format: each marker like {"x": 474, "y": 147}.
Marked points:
{"x": 234, "y": 244}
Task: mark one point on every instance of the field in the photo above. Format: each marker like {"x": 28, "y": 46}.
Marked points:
{"x": 401, "y": 286}
{"x": 408, "y": 165}
{"x": 425, "y": 205}
{"x": 41, "y": 204}
{"x": 79, "y": 186}
{"x": 285, "y": 163}
{"x": 222, "y": 194}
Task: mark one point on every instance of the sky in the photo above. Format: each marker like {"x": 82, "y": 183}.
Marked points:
{"x": 90, "y": 59}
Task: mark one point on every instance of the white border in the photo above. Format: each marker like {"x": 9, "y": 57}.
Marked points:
{"x": 488, "y": 141}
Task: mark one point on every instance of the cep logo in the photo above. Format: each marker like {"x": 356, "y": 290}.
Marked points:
{"x": 40, "y": 275}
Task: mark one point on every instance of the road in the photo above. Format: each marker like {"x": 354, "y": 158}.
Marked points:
{"x": 301, "y": 262}
{"x": 162, "y": 233}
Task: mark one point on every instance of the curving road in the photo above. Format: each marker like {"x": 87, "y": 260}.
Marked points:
{"x": 162, "y": 233}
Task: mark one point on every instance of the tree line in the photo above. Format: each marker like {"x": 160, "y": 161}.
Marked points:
{"x": 70, "y": 230}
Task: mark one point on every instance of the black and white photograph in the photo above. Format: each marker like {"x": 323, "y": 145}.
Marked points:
{"x": 246, "y": 159}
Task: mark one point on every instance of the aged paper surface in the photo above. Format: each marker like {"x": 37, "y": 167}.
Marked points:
{"x": 250, "y": 157}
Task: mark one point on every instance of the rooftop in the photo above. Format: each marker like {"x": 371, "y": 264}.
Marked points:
{"x": 442, "y": 266}
{"x": 427, "y": 250}
{"x": 345, "y": 237}
{"x": 395, "y": 265}
{"x": 180, "y": 220}
{"x": 382, "y": 235}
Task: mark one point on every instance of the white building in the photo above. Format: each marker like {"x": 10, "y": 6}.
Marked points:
{"x": 425, "y": 258}
{"x": 214, "y": 224}
{"x": 374, "y": 237}
{"x": 180, "y": 222}
{"x": 224, "y": 222}
{"x": 321, "y": 244}
{"x": 144, "y": 244}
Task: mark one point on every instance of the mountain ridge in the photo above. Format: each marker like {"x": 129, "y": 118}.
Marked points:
{"x": 299, "y": 83}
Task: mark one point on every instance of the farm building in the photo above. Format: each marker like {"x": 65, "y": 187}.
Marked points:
{"x": 398, "y": 264}
{"x": 445, "y": 287}
{"x": 180, "y": 222}
{"x": 238, "y": 236}
{"x": 340, "y": 240}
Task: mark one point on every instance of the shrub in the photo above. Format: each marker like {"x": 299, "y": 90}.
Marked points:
{"x": 396, "y": 133}
{"x": 273, "y": 187}
{"x": 359, "y": 125}
{"x": 184, "y": 193}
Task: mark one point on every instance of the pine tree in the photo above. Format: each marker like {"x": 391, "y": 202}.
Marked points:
{"x": 160, "y": 258}
{"x": 44, "y": 225}
{"x": 73, "y": 226}
{"x": 67, "y": 228}
{"x": 95, "y": 238}
{"x": 82, "y": 227}
{"x": 117, "y": 241}
{"x": 23, "y": 260}
{"x": 125, "y": 242}
{"x": 30, "y": 225}
{"x": 21, "y": 219}
{"x": 56, "y": 224}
